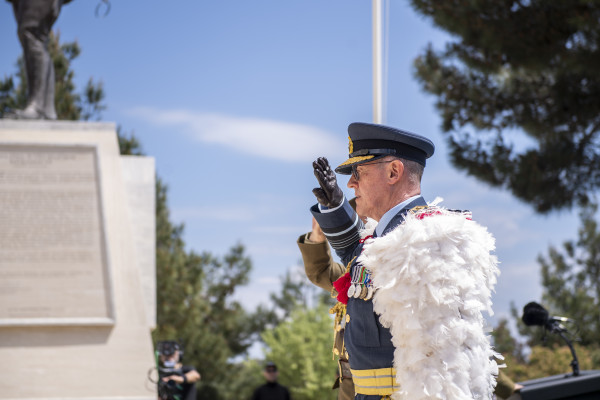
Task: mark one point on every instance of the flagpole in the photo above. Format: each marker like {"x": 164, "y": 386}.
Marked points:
{"x": 377, "y": 63}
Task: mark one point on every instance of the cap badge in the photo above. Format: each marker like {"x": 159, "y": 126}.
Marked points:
{"x": 350, "y": 145}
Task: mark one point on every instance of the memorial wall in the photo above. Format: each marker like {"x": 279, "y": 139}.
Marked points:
{"x": 76, "y": 305}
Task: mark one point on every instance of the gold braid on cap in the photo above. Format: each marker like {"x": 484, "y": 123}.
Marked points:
{"x": 355, "y": 160}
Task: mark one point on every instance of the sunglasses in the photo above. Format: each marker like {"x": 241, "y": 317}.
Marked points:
{"x": 355, "y": 172}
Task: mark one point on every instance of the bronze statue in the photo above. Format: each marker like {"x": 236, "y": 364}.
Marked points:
{"x": 34, "y": 20}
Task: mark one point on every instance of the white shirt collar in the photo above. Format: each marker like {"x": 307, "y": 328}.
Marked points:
{"x": 391, "y": 213}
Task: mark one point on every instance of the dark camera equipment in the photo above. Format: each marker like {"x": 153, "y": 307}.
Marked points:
{"x": 536, "y": 315}
{"x": 168, "y": 347}
{"x": 169, "y": 390}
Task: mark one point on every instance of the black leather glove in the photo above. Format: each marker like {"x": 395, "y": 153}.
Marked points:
{"x": 329, "y": 193}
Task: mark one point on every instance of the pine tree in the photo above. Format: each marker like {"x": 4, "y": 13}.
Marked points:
{"x": 571, "y": 279}
{"x": 571, "y": 285}
{"x": 296, "y": 291}
{"x": 571, "y": 288}
{"x": 505, "y": 344}
{"x": 522, "y": 70}
{"x": 194, "y": 303}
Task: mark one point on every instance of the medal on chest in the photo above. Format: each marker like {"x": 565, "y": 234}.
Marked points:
{"x": 361, "y": 286}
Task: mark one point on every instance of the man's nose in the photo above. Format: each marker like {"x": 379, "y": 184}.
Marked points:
{"x": 352, "y": 182}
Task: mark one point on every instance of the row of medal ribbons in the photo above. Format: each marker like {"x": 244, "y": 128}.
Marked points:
{"x": 361, "y": 286}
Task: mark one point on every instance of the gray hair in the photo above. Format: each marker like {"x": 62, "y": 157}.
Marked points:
{"x": 413, "y": 168}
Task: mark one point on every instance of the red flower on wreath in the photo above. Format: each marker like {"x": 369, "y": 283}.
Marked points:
{"x": 427, "y": 214}
{"x": 341, "y": 286}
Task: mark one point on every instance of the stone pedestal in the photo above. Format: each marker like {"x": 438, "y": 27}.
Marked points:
{"x": 77, "y": 268}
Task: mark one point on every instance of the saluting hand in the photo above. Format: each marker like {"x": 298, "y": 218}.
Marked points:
{"x": 329, "y": 193}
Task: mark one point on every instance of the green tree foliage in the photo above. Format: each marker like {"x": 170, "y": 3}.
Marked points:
{"x": 528, "y": 68}
{"x": 128, "y": 143}
{"x": 543, "y": 359}
{"x": 550, "y": 360}
{"x": 510, "y": 349}
{"x": 505, "y": 344}
{"x": 301, "y": 348}
{"x": 69, "y": 104}
{"x": 571, "y": 284}
{"x": 292, "y": 294}
{"x": 571, "y": 278}
{"x": 244, "y": 378}
{"x": 297, "y": 319}
{"x": 297, "y": 291}
{"x": 194, "y": 303}
{"x": 571, "y": 288}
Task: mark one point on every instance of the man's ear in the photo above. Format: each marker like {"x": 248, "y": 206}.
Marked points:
{"x": 395, "y": 171}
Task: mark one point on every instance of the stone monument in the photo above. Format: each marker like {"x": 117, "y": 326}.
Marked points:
{"x": 77, "y": 268}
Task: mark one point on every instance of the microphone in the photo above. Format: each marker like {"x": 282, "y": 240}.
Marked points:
{"x": 535, "y": 314}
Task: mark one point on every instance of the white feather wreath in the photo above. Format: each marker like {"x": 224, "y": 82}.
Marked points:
{"x": 435, "y": 276}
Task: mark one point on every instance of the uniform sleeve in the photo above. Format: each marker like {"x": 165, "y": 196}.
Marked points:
{"x": 504, "y": 386}
{"x": 341, "y": 228}
{"x": 319, "y": 266}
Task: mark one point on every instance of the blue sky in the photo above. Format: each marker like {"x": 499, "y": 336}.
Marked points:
{"x": 235, "y": 98}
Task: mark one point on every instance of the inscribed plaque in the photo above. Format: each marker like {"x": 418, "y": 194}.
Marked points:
{"x": 53, "y": 261}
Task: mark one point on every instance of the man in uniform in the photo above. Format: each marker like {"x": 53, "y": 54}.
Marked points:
{"x": 386, "y": 166}
{"x": 322, "y": 271}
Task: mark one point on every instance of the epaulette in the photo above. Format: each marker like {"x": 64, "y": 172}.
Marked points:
{"x": 421, "y": 212}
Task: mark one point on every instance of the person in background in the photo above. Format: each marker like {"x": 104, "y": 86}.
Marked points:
{"x": 177, "y": 381}
{"x": 271, "y": 390}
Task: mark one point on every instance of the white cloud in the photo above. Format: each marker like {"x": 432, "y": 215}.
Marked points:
{"x": 279, "y": 140}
